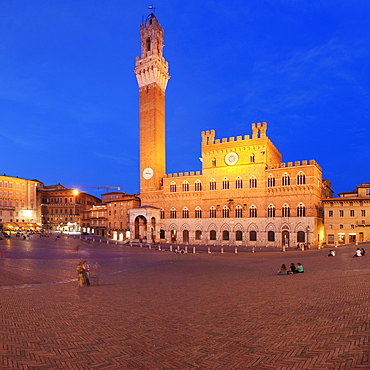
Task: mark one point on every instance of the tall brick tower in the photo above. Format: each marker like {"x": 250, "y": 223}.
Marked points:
{"x": 152, "y": 76}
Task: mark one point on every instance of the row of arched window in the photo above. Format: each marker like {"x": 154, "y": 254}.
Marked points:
{"x": 239, "y": 212}
{"x": 252, "y": 183}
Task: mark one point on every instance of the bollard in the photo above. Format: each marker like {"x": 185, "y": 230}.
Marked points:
{"x": 149, "y": 246}
{"x": 159, "y": 247}
{"x": 93, "y": 239}
{"x": 131, "y": 245}
{"x": 99, "y": 240}
{"x": 222, "y": 249}
{"x": 283, "y": 248}
{"x": 141, "y": 245}
{"x": 236, "y": 249}
{"x": 253, "y": 250}
{"x": 116, "y": 243}
{"x": 209, "y": 250}
{"x": 193, "y": 249}
{"x": 186, "y": 249}
{"x": 107, "y": 241}
{"x": 170, "y": 248}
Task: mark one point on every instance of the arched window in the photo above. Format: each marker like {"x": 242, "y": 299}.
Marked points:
{"x": 253, "y": 182}
{"x": 225, "y": 183}
{"x": 238, "y": 211}
{"x": 253, "y": 236}
{"x": 239, "y": 183}
{"x": 162, "y": 213}
{"x": 173, "y": 187}
{"x": 213, "y": 162}
{"x": 271, "y": 211}
{"x": 198, "y": 185}
{"x": 185, "y": 213}
{"x": 301, "y": 178}
{"x": 198, "y": 212}
{"x": 185, "y": 186}
{"x": 225, "y": 235}
{"x": 173, "y": 212}
{"x": 271, "y": 236}
{"x": 225, "y": 212}
{"x": 238, "y": 235}
{"x": 271, "y": 181}
{"x": 212, "y": 184}
{"x": 148, "y": 44}
{"x": 212, "y": 235}
{"x": 301, "y": 210}
{"x": 285, "y": 180}
{"x": 212, "y": 212}
{"x": 285, "y": 211}
{"x": 252, "y": 211}
{"x": 198, "y": 235}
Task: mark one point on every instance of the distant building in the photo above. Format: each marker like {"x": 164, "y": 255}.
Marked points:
{"x": 347, "y": 218}
{"x": 61, "y": 207}
{"x": 94, "y": 220}
{"x": 18, "y": 206}
{"x": 244, "y": 195}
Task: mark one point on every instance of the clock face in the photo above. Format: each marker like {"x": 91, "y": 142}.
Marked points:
{"x": 148, "y": 173}
{"x": 231, "y": 158}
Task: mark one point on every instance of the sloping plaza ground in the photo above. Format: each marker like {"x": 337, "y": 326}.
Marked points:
{"x": 160, "y": 310}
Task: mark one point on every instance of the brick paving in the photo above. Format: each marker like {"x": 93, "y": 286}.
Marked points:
{"x": 158, "y": 310}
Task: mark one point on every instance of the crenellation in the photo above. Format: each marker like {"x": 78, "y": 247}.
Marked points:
{"x": 239, "y": 138}
{"x": 224, "y": 140}
{"x": 290, "y": 164}
{"x": 297, "y": 163}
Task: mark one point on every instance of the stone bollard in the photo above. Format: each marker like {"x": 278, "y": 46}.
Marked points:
{"x": 236, "y": 249}
{"x": 283, "y": 248}
{"x": 107, "y": 241}
{"x": 149, "y": 246}
{"x": 209, "y": 250}
{"x": 170, "y": 248}
{"x": 186, "y": 249}
{"x": 99, "y": 240}
{"x": 141, "y": 245}
{"x": 131, "y": 245}
{"x": 253, "y": 250}
{"x": 93, "y": 239}
{"x": 193, "y": 249}
{"x": 222, "y": 249}
{"x": 159, "y": 247}
{"x": 302, "y": 247}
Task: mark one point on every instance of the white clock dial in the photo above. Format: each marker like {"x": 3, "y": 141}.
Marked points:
{"x": 148, "y": 173}
{"x": 231, "y": 158}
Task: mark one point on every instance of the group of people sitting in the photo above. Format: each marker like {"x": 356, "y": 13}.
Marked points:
{"x": 292, "y": 270}
{"x": 360, "y": 252}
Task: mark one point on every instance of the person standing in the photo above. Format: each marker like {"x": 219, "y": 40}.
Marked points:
{"x": 80, "y": 274}
{"x": 86, "y": 269}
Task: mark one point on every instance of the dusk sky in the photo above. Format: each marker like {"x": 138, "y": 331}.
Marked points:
{"x": 69, "y": 97}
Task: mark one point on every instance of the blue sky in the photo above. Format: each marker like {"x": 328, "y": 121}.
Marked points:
{"x": 69, "y": 97}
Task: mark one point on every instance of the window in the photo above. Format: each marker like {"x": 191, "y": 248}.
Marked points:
{"x": 238, "y": 212}
{"x": 285, "y": 180}
{"x": 198, "y": 235}
{"x": 212, "y": 184}
{"x": 212, "y": 212}
{"x": 238, "y": 235}
{"x": 213, "y": 162}
{"x": 352, "y": 226}
{"x": 239, "y": 183}
{"x": 341, "y": 213}
{"x": 253, "y": 236}
{"x": 271, "y": 181}
{"x": 252, "y": 182}
{"x": 331, "y": 238}
{"x": 212, "y": 235}
{"x": 251, "y": 158}
{"x": 300, "y": 237}
{"x": 301, "y": 210}
{"x": 225, "y": 212}
{"x": 225, "y": 235}
{"x": 253, "y": 211}
{"x": 285, "y": 211}
{"x": 225, "y": 183}
{"x": 271, "y": 211}
{"x": 198, "y": 185}
{"x": 185, "y": 186}
{"x": 367, "y": 191}
{"x": 173, "y": 212}
{"x": 341, "y": 226}
{"x": 198, "y": 212}
{"x": 271, "y": 236}
{"x": 173, "y": 187}
{"x": 185, "y": 213}
{"x": 301, "y": 178}
{"x": 363, "y": 213}
{"x": 352, "y": 213}
{"x": 330, "y": 213}
{"x": 161, "y": 234}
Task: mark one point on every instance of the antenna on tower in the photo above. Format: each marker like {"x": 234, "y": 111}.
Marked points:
{"x": 152, "y": 7}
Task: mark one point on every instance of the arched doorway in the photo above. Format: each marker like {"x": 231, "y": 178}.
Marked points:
{"x": 173, "y": 236}
{"x": 140, "y": 228}
{"x": 185, "y": 236}
{"x": 285, "y": 238}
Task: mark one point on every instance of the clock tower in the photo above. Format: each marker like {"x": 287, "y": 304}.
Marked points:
{"x": 152, "y": 77}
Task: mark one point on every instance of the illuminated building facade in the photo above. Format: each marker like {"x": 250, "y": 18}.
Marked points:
{"x": 94, "y": 220}
{"x": 18, "y": 206}
{"x": 347, "y": 218}
{"x": 244, "y": 194}
{"x": 61, "y": 207}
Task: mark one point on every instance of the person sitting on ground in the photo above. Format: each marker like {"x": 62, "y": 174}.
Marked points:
{"x": 363, "y": 251}
{"x": 358, "y": 253}
{"x": 282, "y": 270}
{"x": 300, "y": 268}
{"x": 293, "y": 269}
{"x": 331, "y": 253}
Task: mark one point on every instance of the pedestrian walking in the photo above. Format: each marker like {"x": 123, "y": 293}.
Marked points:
{"x": 80, "y": 274}
{"x": 86, "y": 270}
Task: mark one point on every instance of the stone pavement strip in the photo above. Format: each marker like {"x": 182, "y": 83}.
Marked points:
{"x": 159, "y": 310}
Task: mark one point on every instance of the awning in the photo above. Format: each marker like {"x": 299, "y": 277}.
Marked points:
{"x": 28, "y": 225}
